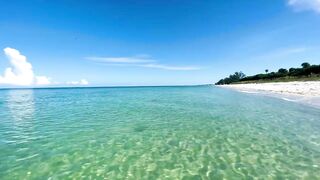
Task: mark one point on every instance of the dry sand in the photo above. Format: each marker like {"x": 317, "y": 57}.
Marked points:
{"x": 307, "y": 92}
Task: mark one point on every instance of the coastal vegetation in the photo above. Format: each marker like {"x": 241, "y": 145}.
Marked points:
{"x": 305, "y": 73}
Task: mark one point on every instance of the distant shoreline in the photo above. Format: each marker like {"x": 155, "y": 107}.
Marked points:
{"x": 306, "y": 72}
{"x": 305, "y": 92}
{"x": 281, "y": 80}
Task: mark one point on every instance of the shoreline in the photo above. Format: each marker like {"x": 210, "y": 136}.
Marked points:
{"x": 303, "y": 92}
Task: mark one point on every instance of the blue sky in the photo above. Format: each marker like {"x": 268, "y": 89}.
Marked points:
{"x": 154, "y": 42}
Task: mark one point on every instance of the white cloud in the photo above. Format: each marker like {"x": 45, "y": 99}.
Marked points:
{"x": 120, "y": 59}
{"x": 73, "y": 82}
{"x": 81, "y": 82}
{"x": 302, "y": 5}
{"x": 21, "y": 73}
{"x": 42, "y": 80}
{"x": 140, "y": 61}
{"x": 174, "y": 68}
{"x": 84, "y": 82}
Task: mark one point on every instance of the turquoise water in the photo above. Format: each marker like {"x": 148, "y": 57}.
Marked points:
{"x": 155, "y": 133}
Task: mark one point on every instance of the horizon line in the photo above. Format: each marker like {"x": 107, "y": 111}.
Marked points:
{"x": 116, "y": 86}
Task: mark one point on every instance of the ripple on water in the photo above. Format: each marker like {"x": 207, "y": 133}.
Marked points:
{"x": 155, "y": 133}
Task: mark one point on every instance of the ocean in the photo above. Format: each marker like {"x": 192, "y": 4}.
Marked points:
{"x": 183, "y": 132}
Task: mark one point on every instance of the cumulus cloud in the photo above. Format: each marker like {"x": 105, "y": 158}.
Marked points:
{"x": 302, "y": 5}
{"x": 21, "y": 72}
{"x": 139, "y": 61}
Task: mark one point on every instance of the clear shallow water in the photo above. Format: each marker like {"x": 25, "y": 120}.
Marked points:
{"x": 155, "y": 132}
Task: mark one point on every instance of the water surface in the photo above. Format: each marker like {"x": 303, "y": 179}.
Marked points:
{"x": 155, "y": 132}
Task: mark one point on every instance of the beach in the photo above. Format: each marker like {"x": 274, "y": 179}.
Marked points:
{"x": 307, "y": 92}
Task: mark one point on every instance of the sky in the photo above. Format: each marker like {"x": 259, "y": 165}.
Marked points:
{"x": 164, "y": 42}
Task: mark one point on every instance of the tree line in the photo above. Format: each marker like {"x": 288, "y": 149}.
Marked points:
{"x": 306, "y": 70}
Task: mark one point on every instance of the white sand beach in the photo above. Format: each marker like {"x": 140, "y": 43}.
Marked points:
{"x": 307, "y": 92}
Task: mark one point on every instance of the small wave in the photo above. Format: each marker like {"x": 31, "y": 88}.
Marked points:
{"x": 250, "y": 92}
{"x": 286, "y": 99}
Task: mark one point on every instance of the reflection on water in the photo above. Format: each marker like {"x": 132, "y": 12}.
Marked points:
{"x": 21, "y": 108}
{"x": 20, "y": 104}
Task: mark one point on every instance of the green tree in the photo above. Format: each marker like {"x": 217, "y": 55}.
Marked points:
{"x": 306, "y": 70}
{"x": 282, "y": 71}
{"x": 305, "y": 65}
{"x": 236, "y": 77}
{"x": 239, "y": 75}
